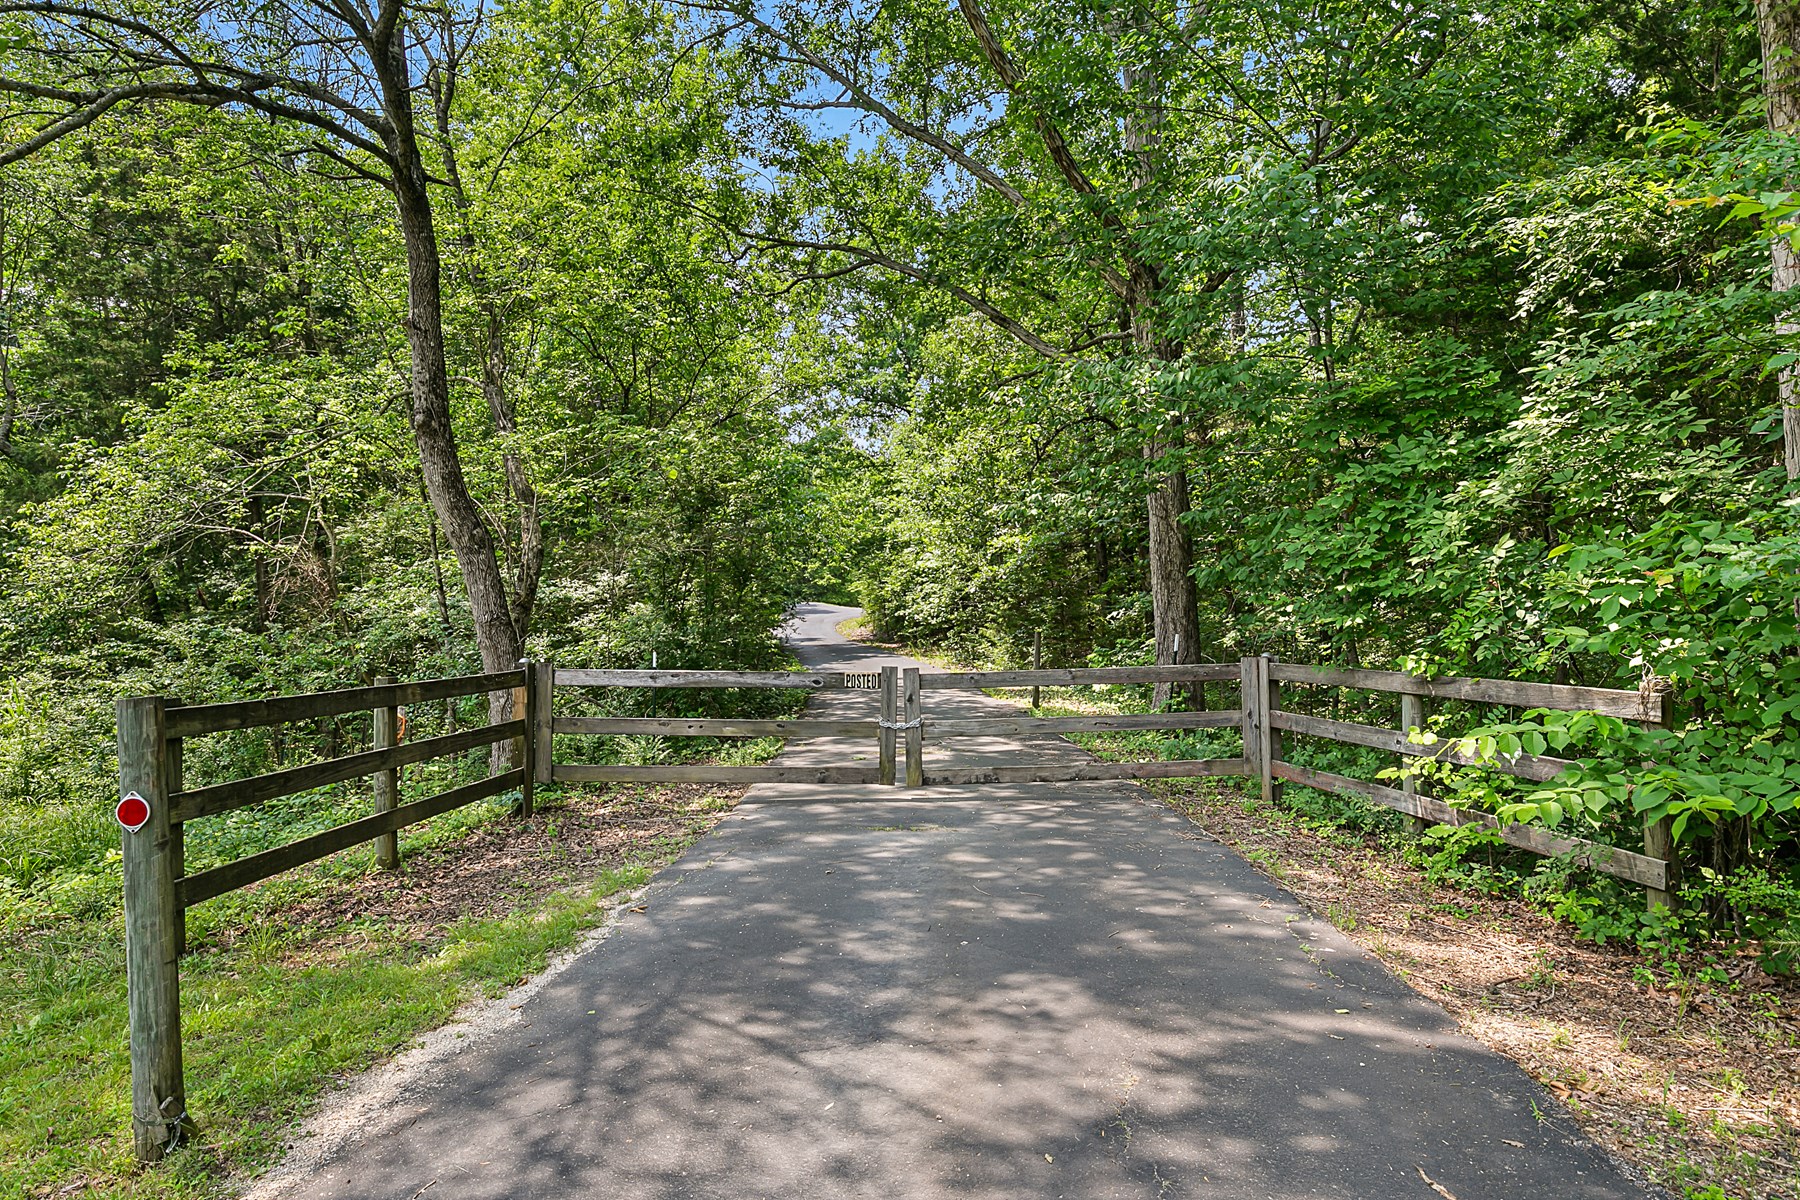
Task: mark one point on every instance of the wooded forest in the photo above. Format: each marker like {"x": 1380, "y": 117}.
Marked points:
{"x": 346, "y": 338}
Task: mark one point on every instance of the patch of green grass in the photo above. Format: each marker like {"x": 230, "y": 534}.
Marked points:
{"x": 267, "y": 1025}
{"x": 854, "y": 627}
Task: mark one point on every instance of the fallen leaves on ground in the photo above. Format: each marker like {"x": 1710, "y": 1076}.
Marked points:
{"x": 1695, "y": 1084}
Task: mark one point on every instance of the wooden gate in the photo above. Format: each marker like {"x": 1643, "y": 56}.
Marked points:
{"x": 882, "y": 729}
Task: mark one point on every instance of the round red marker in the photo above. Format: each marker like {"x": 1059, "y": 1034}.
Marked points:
{"x": 133, "y": 812}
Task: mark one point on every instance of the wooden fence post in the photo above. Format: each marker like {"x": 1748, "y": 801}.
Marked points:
{"x": 1250, "y": 702}
{"x": 541, "y": 712}
{"x": 525, "y": 709}
{"x": 1659, "y": 835}
{"x": 1269, "y": 744}
{"x": 915, "y": 733}
{"x": 890, "y": 714}
{"x": 1412, "y": 717}
{"x": 387, "y": 783}
{"x": 152, "y": 915}
{"x": 1037, "y": 663}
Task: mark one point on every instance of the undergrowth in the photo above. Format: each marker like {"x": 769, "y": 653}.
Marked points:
{"x": 1763, "y": 907}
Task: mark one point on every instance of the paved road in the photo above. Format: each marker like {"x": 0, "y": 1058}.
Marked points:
{"x": 995, "y": 993}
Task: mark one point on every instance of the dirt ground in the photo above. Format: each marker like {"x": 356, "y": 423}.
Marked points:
{"x": 1697, "y": 1084}
{"x": 504, "y": 866}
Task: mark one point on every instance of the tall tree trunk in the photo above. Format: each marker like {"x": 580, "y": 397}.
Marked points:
{"x": 1778, "y": 25}
{"x": 9, "y": 401}
{"x": 1173, "y": 601}
{"x": 434, "y": 435}
{"x": 441, "y": 83}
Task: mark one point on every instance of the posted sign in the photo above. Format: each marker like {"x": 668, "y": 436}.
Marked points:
{"x": 133, "y": 812}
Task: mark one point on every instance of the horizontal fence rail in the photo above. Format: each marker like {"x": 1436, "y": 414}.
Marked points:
{"x": 239, "y": 793}
{"x": 885, "y": 682}
{"x": 711, "y": 773}
{"x": 245, "y": 871}
{"x": 1078, "y": 676}
{"x": 815, "y": 680}
{"x": 1536, "y": 767}
{"x": 248, "y": 714}
{"x": 918, "y": 726}
{"x": 1609, "y": 702}
{"x": 1637, "y": 868}
{"x": 684, "y": 727}
{"x": 1174, "y": 768}
{"x": 1004, "y": 726}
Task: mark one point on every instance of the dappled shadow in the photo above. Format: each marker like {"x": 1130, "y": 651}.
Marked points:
{"x": 1000, "y": 991}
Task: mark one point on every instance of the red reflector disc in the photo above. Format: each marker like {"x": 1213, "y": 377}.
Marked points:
{"x": 133, "y": 812}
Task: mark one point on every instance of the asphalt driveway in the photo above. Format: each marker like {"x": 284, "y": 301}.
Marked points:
{"x": 1005, "y": 992}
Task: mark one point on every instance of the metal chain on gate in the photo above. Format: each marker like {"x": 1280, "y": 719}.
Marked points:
{"x": 915, "y": 723}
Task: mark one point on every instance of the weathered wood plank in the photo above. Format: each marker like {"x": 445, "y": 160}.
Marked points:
{"x": 223, "y": 797}
{"x": 1612, "y": 702}
{"x": 245, "y": 871}
{"x": 708, "y": 773}
{"x": 1268, "y": 742}
{"x": 685, "y": 727}
{"x": 581, "y": 677}
{"x": 1535, "y": 767}
{"x": 1251, "y": 718}
{"x": 1181, "y": 768}
{"x": 1074, "y": 676}
{"x": 247, "y": 714}
{"x": 1609, "y": 860}
{"x": 910, "y": 704}
{"x": 152, "y": 917}
{"x": 890, "y": 717}
{"x": 1028, "y": 726}
{"x": 1659, "y": 842}
{"x": 543, "y": 745}
{"x": 1412, "y": 717}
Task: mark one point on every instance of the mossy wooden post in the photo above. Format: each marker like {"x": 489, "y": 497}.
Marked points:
{"x": 152, "y": 918}
{"x": 525, "y": 708}
{"x": 1659, "y": 834}
{"x": 890, "y": 714}
{"x": 542, "y": 696}
{"x": 1412, "y": 717}
{"x": 387, "y": 783}
{"x": 1269, "y": 744}
{"x": 1250, "y": 707}
{"x": 915, "y": 733}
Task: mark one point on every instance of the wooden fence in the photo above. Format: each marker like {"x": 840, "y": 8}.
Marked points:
{"x": 158, "y": 889}
{"x": 1262, "y": 721}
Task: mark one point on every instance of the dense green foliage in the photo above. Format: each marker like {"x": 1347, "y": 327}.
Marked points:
{"x": 1473, "y": 343}
{"x": 209, "y": 489}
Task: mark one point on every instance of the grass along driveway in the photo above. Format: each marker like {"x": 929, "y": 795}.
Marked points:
{"x": 305, "y": 979}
